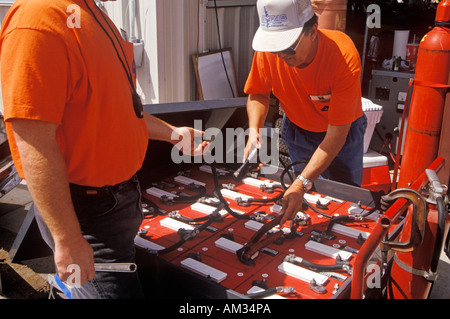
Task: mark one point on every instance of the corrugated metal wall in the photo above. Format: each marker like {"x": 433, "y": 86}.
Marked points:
{"x": 172, "y": 30}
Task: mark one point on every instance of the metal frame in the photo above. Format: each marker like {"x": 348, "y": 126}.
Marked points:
{"x": 230, "y": 3}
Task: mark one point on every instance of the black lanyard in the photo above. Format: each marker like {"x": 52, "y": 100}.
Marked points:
{"x": 137, "y": 103}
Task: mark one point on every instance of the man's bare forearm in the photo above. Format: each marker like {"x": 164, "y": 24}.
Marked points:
{"x": 257, "y": 109}
{"x": 45, "y": 173}
{"x": 319, "y": 162}
{"x": 157, "y": 128}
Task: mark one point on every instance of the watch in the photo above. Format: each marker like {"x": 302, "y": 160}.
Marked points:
{"x": 307, "y": 184}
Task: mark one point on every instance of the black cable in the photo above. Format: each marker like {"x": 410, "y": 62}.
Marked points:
{"x": 153, "y": 210}
{"x": 187, "y": 198}
{"x": 440, "y": 233}
{"x": 188, "y": 234}
{"x": 319, "y": 267}
{"x": 271, "y": 291}
{"x": 218, "y": 194}
{"x": 262, "y": 294}
{"x": 192, "y": 220}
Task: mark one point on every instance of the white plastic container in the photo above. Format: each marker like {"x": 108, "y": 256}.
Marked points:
{"x": 373, "y": 113}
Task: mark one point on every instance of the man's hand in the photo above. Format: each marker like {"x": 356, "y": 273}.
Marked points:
{"x": 253, "y": 142}
{"x": 291, "y": 202}
{"x": 190, "y": 141}
{"x": 78, "y": 252}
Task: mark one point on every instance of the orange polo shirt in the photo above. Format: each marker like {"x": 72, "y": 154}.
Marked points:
{"x": 326, "y": 92}
{"x": 72, "y": 76}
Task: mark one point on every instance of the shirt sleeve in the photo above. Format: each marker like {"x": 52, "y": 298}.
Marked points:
{"x": 259, "y": 79}
{"x": 35, "y": 75}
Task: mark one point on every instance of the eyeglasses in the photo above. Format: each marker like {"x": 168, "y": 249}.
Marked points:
{"x": 292, "y": 50}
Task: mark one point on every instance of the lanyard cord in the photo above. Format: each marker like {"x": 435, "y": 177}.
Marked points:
{"x": 125, "y": 67}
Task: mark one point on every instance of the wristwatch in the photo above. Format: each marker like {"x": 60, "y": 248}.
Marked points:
{"x": 307, "y": 184}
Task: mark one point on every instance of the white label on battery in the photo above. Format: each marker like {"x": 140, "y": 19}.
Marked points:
{"x": 358, "y": 211}
{"x": 327, "y": 250}
{"x": 207, "y": 209}
{"x": 175, "y": 224}
{"x": 144, "y": 243}
{"x": 275, "y": 208}
{"x": 354, "y": 210}
{"x": 348, "y": 231}
{"x": 311, "y": 198}
{"x": 257, "y": 182}
{"x": 375, "y": 216}
{"x": 187, "y": 181}
{"x": 208, "y": 169}
{"x": 253, "y": 225}
{"x": 252, "y": 181}
{"x": 228, "y": 245}
{"x": 233, "y": 195}
{"x": 301, "y": 273}
{"x": 203, "y": 269}
{"x": 159, "y": 192}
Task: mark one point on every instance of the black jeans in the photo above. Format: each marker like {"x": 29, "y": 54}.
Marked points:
{"x": 109, "y": 218}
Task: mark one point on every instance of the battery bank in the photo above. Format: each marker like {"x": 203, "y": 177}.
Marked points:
{"x": 327, "y": 233}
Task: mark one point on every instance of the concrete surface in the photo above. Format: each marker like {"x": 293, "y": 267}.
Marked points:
{"x": 14, "y": 207}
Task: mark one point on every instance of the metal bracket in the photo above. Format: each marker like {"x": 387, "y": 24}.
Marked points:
{"x": 428, "y": 275}
{"x": 435, "y": 188}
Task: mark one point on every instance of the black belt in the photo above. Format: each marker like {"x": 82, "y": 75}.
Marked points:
{"x": 93, "y": 190}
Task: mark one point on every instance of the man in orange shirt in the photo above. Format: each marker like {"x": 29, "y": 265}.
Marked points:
{"x": 315, "y": 74}
{"x": 78, "y": 135}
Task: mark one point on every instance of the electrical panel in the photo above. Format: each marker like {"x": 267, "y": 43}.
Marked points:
{"x": 390, "y": 90}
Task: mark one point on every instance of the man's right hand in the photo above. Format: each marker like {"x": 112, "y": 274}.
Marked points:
{"x": 78, "y": 253}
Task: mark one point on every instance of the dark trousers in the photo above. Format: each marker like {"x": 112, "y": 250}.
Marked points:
{"x": 346, "y": 168}
{"x": 110, "y": 218}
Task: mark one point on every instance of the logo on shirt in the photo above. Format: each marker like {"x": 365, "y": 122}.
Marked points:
{"x": 274, "y": 20}
{"x": 323, "y": 98}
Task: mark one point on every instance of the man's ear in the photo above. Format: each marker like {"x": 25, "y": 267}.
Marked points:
{"x": 313, "y": 32}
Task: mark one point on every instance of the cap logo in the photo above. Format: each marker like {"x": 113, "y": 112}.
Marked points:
{"x": 274, "y": 20}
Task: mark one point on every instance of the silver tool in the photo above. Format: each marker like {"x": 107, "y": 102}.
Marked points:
{"x": 115, "y": 267}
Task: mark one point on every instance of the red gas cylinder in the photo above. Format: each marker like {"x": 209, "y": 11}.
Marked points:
{"x": 428, "y": 97}
{"x": 410, "y": 273}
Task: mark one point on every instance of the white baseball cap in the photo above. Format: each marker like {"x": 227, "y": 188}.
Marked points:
{"x": 281, "y": 22}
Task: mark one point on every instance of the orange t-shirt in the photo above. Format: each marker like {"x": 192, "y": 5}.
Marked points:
{"x": 72, "y": 77}
{"x": 327, "y": 91}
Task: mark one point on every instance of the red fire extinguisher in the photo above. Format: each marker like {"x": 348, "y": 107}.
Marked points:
{"x": 412, "y": 271}
{"x": 428, "y": 98}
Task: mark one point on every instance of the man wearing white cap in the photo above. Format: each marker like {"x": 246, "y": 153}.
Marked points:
{"x": 315, "y": 74}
